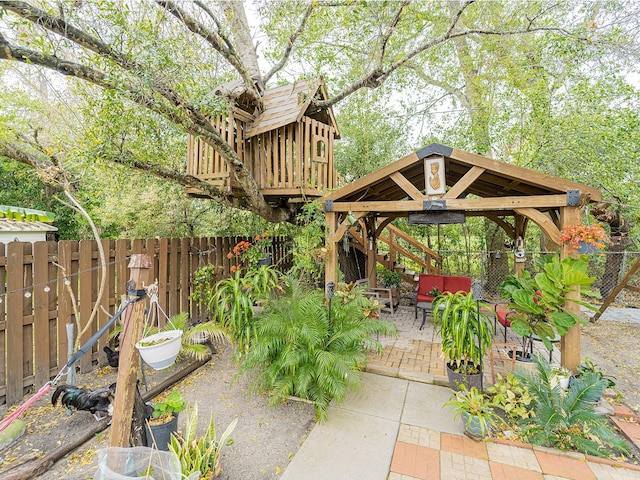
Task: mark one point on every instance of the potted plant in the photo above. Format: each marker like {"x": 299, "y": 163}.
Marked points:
{"x": 466, "y": 334}
{"x": 392, "y": 279}
{"x": 164, "y": 420}
{"x": 587, "y": 238}
{"x": 539, "y": 300}
{"x": 476, "y": 410}
{"x": 587, "y": 366}
{"x": 560, "y": 375}
{"x": 200, "y": 454}
{"x": 160, "y": 350}
{"x": 566, "y": 419}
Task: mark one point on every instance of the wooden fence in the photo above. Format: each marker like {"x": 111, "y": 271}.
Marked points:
{"x": 43, "y": 281}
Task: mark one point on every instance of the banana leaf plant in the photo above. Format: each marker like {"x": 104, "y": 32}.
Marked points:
{"x": 540, "y": 300}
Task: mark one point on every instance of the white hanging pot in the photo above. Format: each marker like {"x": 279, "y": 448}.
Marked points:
{"x": 161, "y": 349}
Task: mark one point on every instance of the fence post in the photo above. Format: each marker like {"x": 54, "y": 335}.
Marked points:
{"x": 126, "y": 384}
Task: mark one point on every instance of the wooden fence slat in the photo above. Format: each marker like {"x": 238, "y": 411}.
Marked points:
{"x": 33, "y": 336}
{"x": 41, "y": 296}
{"x": 15, "y": 327}
{"x": 65, "y": 311}
{"x": 85, "y": 296}
{"x": 174, "y": 274}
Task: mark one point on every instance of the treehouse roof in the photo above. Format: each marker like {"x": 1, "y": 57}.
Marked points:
{"x": 473, "y": 183}
{"x": 286, "y": 104}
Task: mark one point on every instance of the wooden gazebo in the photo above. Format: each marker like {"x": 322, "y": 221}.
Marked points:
{"x": 440, "y": 184}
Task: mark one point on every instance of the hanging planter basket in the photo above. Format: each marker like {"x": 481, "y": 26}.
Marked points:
{"x": 587, "y": 248}
{"x": 160, "y": 350}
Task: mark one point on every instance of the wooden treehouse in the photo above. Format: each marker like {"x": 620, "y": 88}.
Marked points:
{"x": 288, "y": 147}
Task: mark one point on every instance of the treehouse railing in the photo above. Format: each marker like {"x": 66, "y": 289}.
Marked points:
{"x": 284, "y": 161}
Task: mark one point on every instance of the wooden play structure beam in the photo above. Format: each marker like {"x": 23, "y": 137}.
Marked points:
{"x": 624, "y": 283}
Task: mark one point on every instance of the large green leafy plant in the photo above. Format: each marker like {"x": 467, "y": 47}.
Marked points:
{"x": 539, "y": 300}
{"x": 565, "y": 419}
{"x": 309, "y": 348}
{"x": 459, "y": 323}
{"x": 233, "y": 300}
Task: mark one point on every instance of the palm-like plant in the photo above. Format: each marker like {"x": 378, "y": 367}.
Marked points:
{"x": 565, "y": 419}
{"x": 233, "y": 300}
{"x": 313, "y": 350}
{"x": 197, "y": 337}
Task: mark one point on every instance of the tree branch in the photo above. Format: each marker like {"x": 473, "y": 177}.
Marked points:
{"x": 390, "y": 30}
{"x": 196, "y": 123}
{"x": 218, "y": 43}
{"x": 208, "y": 11}
{"x": 377, "y": 77}
{"x": 292, "y": 40}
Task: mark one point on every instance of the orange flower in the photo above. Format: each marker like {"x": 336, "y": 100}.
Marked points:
{"x": 264, "y": 235}
{"x": 229, "y": 255}
{"x": 591, "y": 234}
{"x": 233, "y": 268}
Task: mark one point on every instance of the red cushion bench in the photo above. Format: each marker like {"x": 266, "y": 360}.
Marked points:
{"x": 444, "y": 283}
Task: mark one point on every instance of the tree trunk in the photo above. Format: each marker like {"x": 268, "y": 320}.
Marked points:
{"x": 619, "y": 225}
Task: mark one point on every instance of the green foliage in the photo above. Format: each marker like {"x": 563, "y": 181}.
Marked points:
{"x": 204, "y": 280}
{"x": 511, "y": 397}
{"x": 309, "y": 251}
{"x": 565, "y": 419}
{"x": 232, "y": 301}
{"x": 173, "y": 404}
{"x": 193, "y": 336}
{"x": 460, "y": 324}
{"x": 391, "y": 278}
{"x": 307, "y": 348}
{"x": 587, "y": 366}
{"x": 200, "y": 453}
{"x": 539, "y": 301}
{"x": 476, "y": 404}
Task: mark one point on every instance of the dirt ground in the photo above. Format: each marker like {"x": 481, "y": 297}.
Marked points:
{"x": 266, "y": 438}
{"x": 615, "y": 347}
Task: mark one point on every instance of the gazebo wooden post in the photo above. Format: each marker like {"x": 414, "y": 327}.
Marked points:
{"x": 570, "y": 343}
{"x": 520, "y": 231}
{"x": 372, "y": 251}
{"x": 331, "y": 262}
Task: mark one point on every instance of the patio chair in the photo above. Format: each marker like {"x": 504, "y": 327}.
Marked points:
{"x": 503, "y": 312}
{"x": 502, "y": 355}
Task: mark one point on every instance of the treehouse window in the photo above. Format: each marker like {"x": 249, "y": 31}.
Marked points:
{"x": 320, "y": 149}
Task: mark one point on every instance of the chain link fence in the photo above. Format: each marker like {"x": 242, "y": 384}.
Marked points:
{"x": 491, "y": 268}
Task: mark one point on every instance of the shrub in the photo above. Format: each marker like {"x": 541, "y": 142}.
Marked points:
{"x": 309, "y": 349}
{"x": 565, "y": 419}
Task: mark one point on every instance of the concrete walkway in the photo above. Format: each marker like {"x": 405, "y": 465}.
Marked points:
{"x": 397, "y": 428}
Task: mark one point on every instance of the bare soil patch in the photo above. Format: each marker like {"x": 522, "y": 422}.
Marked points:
{"x": 264, "y": 441}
